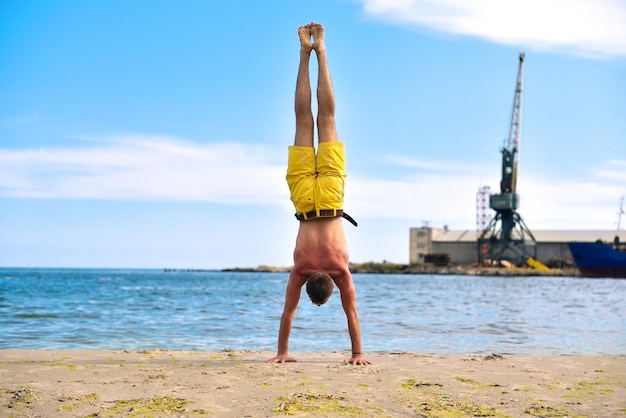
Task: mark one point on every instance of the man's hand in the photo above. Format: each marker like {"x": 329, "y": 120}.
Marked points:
{"x": 282, "y": 358}
{"x": 357, "y": 360}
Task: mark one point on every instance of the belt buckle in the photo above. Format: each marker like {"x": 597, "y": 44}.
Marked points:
{"x": 326, "y": 213}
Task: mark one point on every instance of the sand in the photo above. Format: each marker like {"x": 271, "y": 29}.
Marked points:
{"x": 41, "y": 383}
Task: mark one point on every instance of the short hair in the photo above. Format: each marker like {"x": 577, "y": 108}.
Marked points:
{"x": 319, "y": 287}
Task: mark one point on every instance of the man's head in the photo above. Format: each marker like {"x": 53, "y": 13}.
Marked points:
{"x": 319, "y": 287}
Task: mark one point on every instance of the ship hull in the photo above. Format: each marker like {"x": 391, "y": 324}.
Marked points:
{"x": 595, "y": 259}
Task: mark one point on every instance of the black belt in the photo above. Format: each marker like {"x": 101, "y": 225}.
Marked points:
{"x": 325, "y": 213}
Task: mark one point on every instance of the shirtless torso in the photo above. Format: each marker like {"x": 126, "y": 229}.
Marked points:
{"x": 321, "y": 246}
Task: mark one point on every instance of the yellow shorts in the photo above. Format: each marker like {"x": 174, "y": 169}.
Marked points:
{"x": 317, "y": 182}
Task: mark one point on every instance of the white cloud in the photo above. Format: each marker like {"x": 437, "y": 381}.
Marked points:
{"x": 160, "y": 168}
{"x": 141, "y": 167}
{"x": 614, "y": 170}
{"x": 450, "y": 198}
{"x": 555, "y": 204}
{"x": 427, "y": 165}
{"x": 583, "y": 27}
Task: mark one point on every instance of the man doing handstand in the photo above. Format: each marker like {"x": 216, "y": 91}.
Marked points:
{"x": 316, "y": 183}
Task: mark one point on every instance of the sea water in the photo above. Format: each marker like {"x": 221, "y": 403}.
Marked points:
{"x": 109, "y": 309}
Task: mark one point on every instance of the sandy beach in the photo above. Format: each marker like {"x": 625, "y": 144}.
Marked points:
{"x": 41, "y": 383}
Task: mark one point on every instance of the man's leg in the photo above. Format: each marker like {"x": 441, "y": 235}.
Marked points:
{"x": 304, "y": 115}
{"x": 326, "y": 129}
{"x": 301, "y": 164}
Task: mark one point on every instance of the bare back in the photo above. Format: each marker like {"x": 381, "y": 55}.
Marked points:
{"x": 321, "y": 246}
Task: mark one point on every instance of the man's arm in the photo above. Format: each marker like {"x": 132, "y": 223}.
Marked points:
{"x": 348, "y": 301}
{"x": 292, "y": 297}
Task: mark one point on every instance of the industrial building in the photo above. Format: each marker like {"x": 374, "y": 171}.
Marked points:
{"x": 462, "y": 245}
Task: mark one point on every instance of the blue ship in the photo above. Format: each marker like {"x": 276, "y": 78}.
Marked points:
{"x": 598, "y": 259}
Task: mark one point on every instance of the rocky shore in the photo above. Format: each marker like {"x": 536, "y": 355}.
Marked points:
{"x": 466, "y": 270}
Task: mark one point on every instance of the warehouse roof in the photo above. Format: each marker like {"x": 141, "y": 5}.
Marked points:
{"x": 541, "y": 235}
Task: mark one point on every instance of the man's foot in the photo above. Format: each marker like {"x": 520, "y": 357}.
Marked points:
{"x": 317, "y": 32}
{"x": 304, "y": 32}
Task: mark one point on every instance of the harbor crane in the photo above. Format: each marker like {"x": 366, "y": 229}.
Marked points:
{"x": 506, "y": 237}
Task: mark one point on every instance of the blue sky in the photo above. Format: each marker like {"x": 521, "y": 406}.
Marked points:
{"x": 154, "y": 133}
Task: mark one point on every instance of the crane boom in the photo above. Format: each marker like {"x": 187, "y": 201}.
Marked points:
{"x": 513, "y": 142}
{"x": 510, "y": 153}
